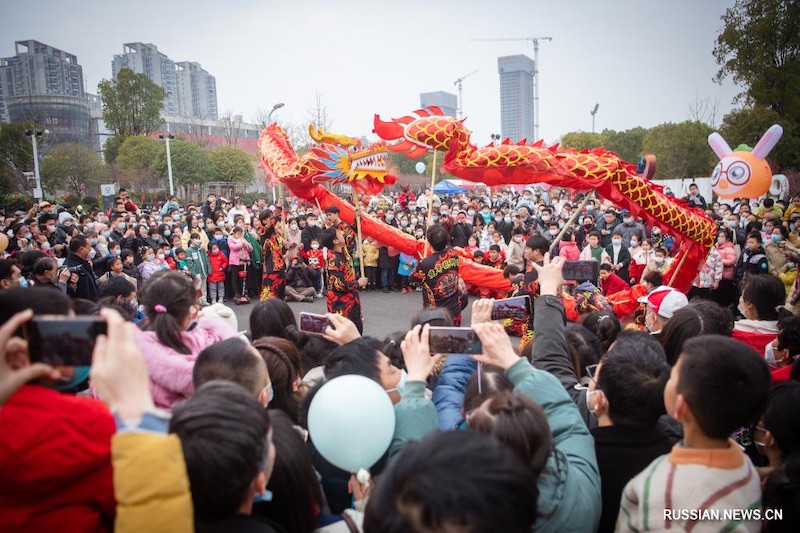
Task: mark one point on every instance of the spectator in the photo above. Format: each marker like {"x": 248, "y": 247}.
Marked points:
{"x": 238, "y": 261}
{"x": 708, "y": 466}
{"x": 694, "y": 197}
{"x": 55, "y": 489}
{"x": 662, "y": 302}
{"x": 709, "y": 276}
{"x": 605, "y": 325}
{"x": 299, "y": 282}
{"x": 568, "y": 248}
{"x": 610, "y": 282}
{"x": 620, "y": 258}
{"x": 225, "y": 479}
{"x": 515, "y": 255}
{"x": 593, "y": 250}
{"x": 271, "y": 318}
{"x": 606, "y": 226}
{"x": 461, "y": 231}
{"x": 80, "y": 254}
{"x": 753, "y": 259}
{"x": 626, "y": 394}
{"x": 237, "y": 361}
{"x": 167, "y": 342}
{"x": 370, "y": 263}
{"x": 701, "y": 317}
{"x": 761, "y": 305}
{"x": 199, "y": 266}
{"x": 11, "y": 275}
{"x": 630, "y": 228}
{"x": 218, "y": 262}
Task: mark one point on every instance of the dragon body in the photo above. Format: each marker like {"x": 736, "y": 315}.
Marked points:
{"x": 598, "y": 169}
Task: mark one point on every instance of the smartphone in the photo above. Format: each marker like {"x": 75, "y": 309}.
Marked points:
{"x": 518, "y": 308}
{"x": 63, "y": 341}
{"x": 454, "y": 340}
{"x": 581, "y": 271}
{"x": 311, "y": 323}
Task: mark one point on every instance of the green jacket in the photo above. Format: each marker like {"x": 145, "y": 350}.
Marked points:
{"x": 569, "y": 487}
{"x": 197, "y": 261}
{"x": 255, "y": 254}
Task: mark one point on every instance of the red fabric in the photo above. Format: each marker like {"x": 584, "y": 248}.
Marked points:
{"x": 613, "y": 284}
{"x": 218, "y": 264}
{"x": 782, "y": 374}
{"x": 55, "y": 463}
{"x": 758, "y": 341}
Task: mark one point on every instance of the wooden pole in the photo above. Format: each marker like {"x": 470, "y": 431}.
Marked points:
{"x": 680, "y": 264}
{"x": 357, "y": 215}
{"x": 571, "y": 220}
{"x": 430, "y": 199}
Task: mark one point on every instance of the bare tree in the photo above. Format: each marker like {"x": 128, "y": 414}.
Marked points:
{"x": 705, "y": 110}
{"x": 318, "y": 113}
{"x": 231, "y": 127}
{"x": 197, "y": 132}
{"x": 260, "y": 118}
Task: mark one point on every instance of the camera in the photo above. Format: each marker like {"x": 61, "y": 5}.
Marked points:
{"x": 75, "y": 270}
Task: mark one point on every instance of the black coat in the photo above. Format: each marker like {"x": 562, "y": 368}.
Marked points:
{"x": 460, "y": 234}
{"x": 87, "y": 282}
{"x": 621, "y": 454}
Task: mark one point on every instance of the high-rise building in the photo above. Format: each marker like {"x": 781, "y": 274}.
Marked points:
{"x": 191, "y": 91}
{"x": 516, "y": 97}
{"x": 197, "y": 91}
{"x": 144, "y": 58}
{"x": 44, "y": 85}
{"x": 448, "y": 102}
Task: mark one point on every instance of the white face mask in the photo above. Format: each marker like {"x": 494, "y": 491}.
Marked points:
{"x": 589, "y": 394}
{"x": 92, "y": 253}
{"x": 161, "y": 256}
{"x": 517, "y": 239}
{"x": 315, "y": 246}
{"x": 293, "y": 227}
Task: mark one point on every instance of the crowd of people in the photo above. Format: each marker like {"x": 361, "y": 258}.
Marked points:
{"x": 683, "y": 416}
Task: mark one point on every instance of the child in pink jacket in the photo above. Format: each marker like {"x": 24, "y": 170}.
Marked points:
{"x": 238, "y": 260}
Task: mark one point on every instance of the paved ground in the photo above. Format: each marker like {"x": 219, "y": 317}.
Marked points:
{"x": 383, "y": 313}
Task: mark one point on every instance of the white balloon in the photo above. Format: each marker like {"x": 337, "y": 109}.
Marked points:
{"x": 420, "y": 166}
{"x": 351, "y": 422}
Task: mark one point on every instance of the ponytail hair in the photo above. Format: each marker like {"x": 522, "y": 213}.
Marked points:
{"x": 782, "y": 419}
{"x": 168, "y": 297}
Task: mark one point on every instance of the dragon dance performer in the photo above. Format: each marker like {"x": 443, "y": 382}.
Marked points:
{"x": 438, "y": 275}
{"x": 333, "y": 221}
{"x": 272, "y": 250}
{"x": 535, "y": 250}
{"x": 342, "y": 297}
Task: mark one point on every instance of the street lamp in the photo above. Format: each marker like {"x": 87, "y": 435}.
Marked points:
{"x": 593, "y": 112}
{"x": 34, "y": 135}
{"x": 168, "y": 137}
{"x": 274, "y": 108}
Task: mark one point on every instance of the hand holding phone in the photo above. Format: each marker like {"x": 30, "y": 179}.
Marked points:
{"x": 581, "y": 271}
{"x": 447, "y": 340}
{"x": 313, "y": 323}
{"x": 420, "y": 360}
{"x": 517, "y": 308}
{"x": 496, "y": 346}
{"x": 63, "y": 341}
{"x": 12, "y": 377}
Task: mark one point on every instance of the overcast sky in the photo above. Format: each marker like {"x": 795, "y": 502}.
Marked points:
{"x": 644, "y": 62}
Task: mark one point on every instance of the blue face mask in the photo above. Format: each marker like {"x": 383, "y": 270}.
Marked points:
{"x": 266, "y": 497}
{"x": 634, "y": 244}
{"x": 106, "y": 234}
{"x": 23, "y": 282}
{"x": 776, "y": 238}
{"x": 732, "y": 223}
{"x": 401, "y": 385}
{"x": 167, "y": 233}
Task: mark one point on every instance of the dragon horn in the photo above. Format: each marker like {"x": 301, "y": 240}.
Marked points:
{"x": 315, "y": 133}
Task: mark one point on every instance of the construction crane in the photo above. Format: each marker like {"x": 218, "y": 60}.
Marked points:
{"x": 457, "y": 83}
{"x": 535, "y": 41}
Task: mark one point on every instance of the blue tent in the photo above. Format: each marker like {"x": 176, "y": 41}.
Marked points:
{"x": 448, "y": 187}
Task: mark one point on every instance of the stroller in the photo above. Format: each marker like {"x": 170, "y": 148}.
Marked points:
{"x": 244, "y": 299}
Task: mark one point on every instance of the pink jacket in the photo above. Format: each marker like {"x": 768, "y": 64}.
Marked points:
{"x": 171, "y": 372}
{"x": 569, "y": 250}
{"x": 728, "y": 253}
{"x": 240, "y": 251}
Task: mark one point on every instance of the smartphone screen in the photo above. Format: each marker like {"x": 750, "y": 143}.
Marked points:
{"x": 518, "y": 308}
{"x": 454, "y": 340}
{"x": 63, "y": 341}
{"x": 581, "y": 271}
{"x": 311, "y": 323}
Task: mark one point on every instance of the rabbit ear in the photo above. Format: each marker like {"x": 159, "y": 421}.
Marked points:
{"x": 719, "y": 145}
{"x": 768, "y": 142}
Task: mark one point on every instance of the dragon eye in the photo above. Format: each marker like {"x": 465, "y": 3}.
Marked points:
{"x": 739, "y": 173}
{"x": 715, "y": 175}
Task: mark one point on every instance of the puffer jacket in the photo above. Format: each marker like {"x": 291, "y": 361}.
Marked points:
{"x": 727, "y": 252}
{"x": 170, "y": 371}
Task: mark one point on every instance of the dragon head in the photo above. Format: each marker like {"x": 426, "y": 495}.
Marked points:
{"x": 429, "y": 129}
{"x": 364, "y": 169}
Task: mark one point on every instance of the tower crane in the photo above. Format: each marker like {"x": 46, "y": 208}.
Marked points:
{"x": 535, "y": 41}
{"x": 457, "y": 83}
